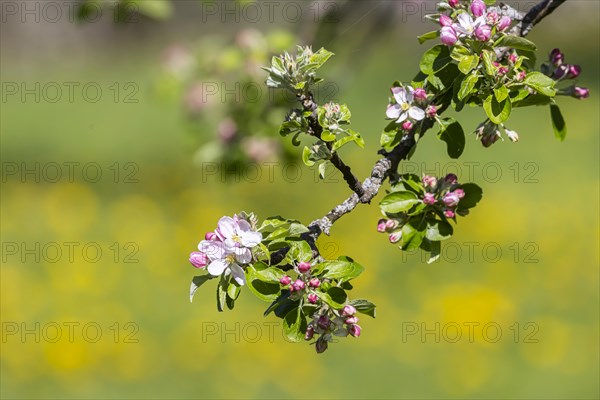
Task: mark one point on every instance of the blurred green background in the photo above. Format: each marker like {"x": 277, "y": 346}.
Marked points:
{"x": 535, "y": 256}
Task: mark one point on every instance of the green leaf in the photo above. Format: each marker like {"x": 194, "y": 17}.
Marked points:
{"x": 516, "y": 42}
{"x": 320, "y": 57}
{"x": 335, "y": 297}
{"x": 473, "y": 194}
{"x": 488, "y": 62}
{"x": 264, "y": 290}
{"x": 294, "y": 325}
{"x": 540, "y": 83}
{"x": 342, "y": 269}
{"x": 306, "y": 153}
{"x": 435, "y": 249}
{"x": 413, "y": 234}
{"x": 558, "y": 122}
{"x": 454, "y": 136}
{"x": 327, "y": 136}
{"x": 459, "y": 52}
{"x": 438, "y": 230}
{"x": 497, "y": 112}
{"x": 467, "y": 63}
{"x": 299, "y": 251}
{"x": 323, "y": 169}
{"x": 467, "y": 85}
{"x": 501, "y": 93}
{"x": 222, "y": 293}
{"x": 364, "y": 307}
{"x": 397, "y": 202}
{"x": 198, "y": 281}
{"x": 428, "y": 36}
{"x": 157, "y": 9}
{"x": 435, "y": 59}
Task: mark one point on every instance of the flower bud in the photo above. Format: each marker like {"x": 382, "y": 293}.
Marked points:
{"x": 451, "y": 199}
{"x": 381, "y": 225}
{"x": 298, "y": 285}
{"x": 478, "y": 8}
{"x": 323, "y": 322}
{"x": 512, "y": 135}
{"x": 310, "y": 332}
{"x": 445, "y": 20}
{"x": 502, "y": 70}
{"x": 352, "y": 320}
{"x": 286, "y": 280}
{"x": 580, "y": 93}
{"x": 483, "y": 33}
{"x": 391, "y": 224}
{"x": 448, "y": 36}
{"x": 314, "y": 283}
{"x": 321, "y": 345}
{"x": 429, "y": 199}
{"x": 453, "y": 3}
{"x": 573, "y": 71}
{"x": 348, "y": 311}
{"x": 312, "y": 298}
{"x": 556, "y": 57}
{"x": 492, "y": 18}
{"x": 198, "y": 259}
{"x": 449, "y": 213}
{"x": 460, "y": 193}
{"x": 354, "y": 330}
{"x": 560, "y": 72}
{"x": 407, "y": 125}
{"x": 429, "y": 181}
{"x": 513, "y": 58}
{"x": 420, "y": 94}
{"x": 463, "y": 212}
{"x": 451, "y": 179}
{"x": 395, "y": 237}
{"x": 431, "y": 111}
{"x": 489, "y": 140}
{"x": 303, "y": 267}
{"x": 521, "y": 76}
{"x": 211, "y": 236}
{"x": 504, "y": 23}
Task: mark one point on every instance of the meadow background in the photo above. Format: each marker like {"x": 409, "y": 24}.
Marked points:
{"x": 540, "y": 208}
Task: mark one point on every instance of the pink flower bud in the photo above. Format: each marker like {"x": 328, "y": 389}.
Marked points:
{"x": 502, "y": 70}
{"x": 573, "y": 71}
{"x": 407, "y": 125}
{"x": 556, "y": 57}
{"x": 381, "y": 225}
{"x": 310, "y": 332}
{"x": 352, "y": 320}
{"x": 286, "y": 280}
{"x": 492, "y": 18}
{"x": 420, "y": 94}
{"x": 504, "y": 23}
{"x": 483, "y": 33}
{"x": 429, "y": 199}
{"x": 391, "y": 224}
{"x": 448, "y": 36}
{"x": 560, "y": 72}
{"x": 453, "y": 3}
{"x": 449, "y": 214}
{"x": 451, "y": 199}
{"x": 478, "y": 8}
{"x": 445, "y": 20}
{"x": 314, "y": 283}
{"x": 354, "y": 330}
{"x": 451, "y": 179}
{"x": 348, "y": 311}
{"x": 513, "y": 58}
{"x": 312, "y": 298}
{"x": 395, "y": 237}
{"x": 429, "y": 181}
{"x": 303, "y": 267}
{"x": 298, "y": 285}
{"x": 460, "y": 193}
{"x": 580, "y": 93}
{"x": 211, "y": 236}
{"x": 321, "y": 345}
{"x": 431, "y": 111}
{"x": 323, "y": 322}
{"x": 198, "y": 259}
{"x": 521, "y": 76}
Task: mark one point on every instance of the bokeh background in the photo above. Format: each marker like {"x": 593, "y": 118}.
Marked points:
{"x": 532, "y": 269}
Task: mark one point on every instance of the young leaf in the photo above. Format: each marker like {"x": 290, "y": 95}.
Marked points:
{"x": 198, "y": 281}
{"x": 438, "y": 230}
{"x": 558, "y": 122}
{"x": 516, "y": 42}
{"x": 497, "y": 112}
{"x": 428, "y": 36}
{"x": 397, "y": 202}
{"x": 467, "y": 63}
{"x": 364, "y": 307}
{"x": 467, "y": 85}
{"x": 342, "y": 269}
{"x": 540, "y": 83}
{"x": 473, "y": 194}
{"x": 294, "y": 325}
{"x": 306, "y": 153}
{"x": 435, "y": 59}
{"x": 501, "y": 93}
{"x": 454, "y": 136}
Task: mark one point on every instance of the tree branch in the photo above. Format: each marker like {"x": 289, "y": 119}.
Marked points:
{"x": 385, "y": 167}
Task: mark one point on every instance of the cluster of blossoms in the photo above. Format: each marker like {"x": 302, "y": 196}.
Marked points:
{"x": 228, "y": 249}
{"x": 471, "y": 23}
{"x": 305, "y": 284}
{"x": 557, "y": 69}
{"x": 443, "y": 194}
{"x": 333, "y": 323}
{"x": 410, "y": 106}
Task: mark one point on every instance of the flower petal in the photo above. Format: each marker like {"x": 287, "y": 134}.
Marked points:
{"x": 416, "y": 113}
{"x": 243, "y": 255}
{"x": 226, "y": 227}
{"x": 399, "y": 94}
{"x": 243, "y": 226}
{"x": 402, "y": 117}
{"x": 393, "y": 111}
{"x": 238, "y": 274}
{"x": 214, "y": 250}
{"x": 217, "y": 267}
{"x": 251, "y": 239}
